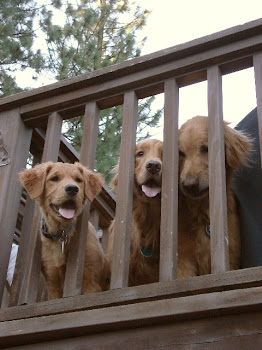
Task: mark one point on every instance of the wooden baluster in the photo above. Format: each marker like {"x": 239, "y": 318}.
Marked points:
{"x": 76, "y": 255}
{"x": 16, "y": 140}
{"x": 169, "y": 205}
{"x": 121, "y": 246}
{"x": 257, "y": 60}
{"x": 29, "y": 287}
{"x": 217, "y": 174}
{"x": 23, "y": 247}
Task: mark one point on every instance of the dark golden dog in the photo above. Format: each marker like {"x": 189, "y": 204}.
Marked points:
{"x": 194, "y": 187}
{"x": 145, "y": 235}
{"x": 61, "y": 190}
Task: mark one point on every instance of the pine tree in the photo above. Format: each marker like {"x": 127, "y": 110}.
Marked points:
{"x": 16, "y": 41}
{"x": 96, "y": 34}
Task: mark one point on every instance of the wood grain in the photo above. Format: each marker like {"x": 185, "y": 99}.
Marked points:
{"x": 257, "y": 59}
{"x": 169, "y": 205}
{"x": 16, "y": 140}
{"x": 217, "y": 174}
{"x": 121, "y": 246}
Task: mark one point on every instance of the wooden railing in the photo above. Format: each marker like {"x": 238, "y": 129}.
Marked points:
{"x": 32, "y": 121}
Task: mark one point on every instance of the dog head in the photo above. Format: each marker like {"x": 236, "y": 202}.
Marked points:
{"x": 193, "y": 155}
{"x": 61, "y": 188}
{"x": 148, "y": 169}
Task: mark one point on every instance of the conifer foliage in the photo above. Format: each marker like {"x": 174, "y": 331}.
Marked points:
{"x": 16, "y": 41}
{"x": 79, "y": 36}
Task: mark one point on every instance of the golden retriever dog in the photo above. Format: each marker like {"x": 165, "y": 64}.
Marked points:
{"x": 61, "y": 190}
{"x": 145, "y": 235}
{"x": 194, "y": 188}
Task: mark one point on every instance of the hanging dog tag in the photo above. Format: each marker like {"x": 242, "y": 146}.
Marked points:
{"x": 63, "y": 240}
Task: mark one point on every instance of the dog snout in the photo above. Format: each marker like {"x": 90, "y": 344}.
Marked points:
{"x": 72, "y": 190}
{"x": 191, "y": 184}
{"x": 153, "y": 167}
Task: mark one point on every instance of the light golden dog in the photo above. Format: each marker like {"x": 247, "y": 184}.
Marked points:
{"x": 61, "y": 190}
{"x": 145, "y": 235}
{"x": 194, "y": 187}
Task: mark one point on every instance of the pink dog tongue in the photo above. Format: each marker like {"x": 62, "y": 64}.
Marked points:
{"x": 67, "y": 213}
{"x": 150, "y": 191}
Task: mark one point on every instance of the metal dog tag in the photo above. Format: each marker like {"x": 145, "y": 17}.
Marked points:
{"x": 63, "y": 240}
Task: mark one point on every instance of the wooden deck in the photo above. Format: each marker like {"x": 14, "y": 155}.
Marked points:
{"x": 222, "y": 310}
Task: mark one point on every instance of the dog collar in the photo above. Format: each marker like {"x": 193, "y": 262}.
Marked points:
{"x": 146, "y": 252}
{"x": 62, "y": 237}
{"x": 208, "y": 231}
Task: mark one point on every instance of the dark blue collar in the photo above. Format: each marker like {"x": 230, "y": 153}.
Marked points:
{"x": 62, "y": 237}
{"x": 208, "y": 231}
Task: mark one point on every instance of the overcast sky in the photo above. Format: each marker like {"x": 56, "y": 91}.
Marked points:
{"x": 174, "y": 22}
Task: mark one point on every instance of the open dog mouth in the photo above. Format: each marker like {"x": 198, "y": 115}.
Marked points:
{"x": 67, "y": 210}
{"x": 150, "y": 188}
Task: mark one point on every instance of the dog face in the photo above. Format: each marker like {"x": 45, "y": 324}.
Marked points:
{"x": 193, "y": 155}
{"x": 148, "y": 168}
{"x": 61, "y": 188}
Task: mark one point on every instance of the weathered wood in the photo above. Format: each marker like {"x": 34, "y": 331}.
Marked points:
{"x": 241, "y": 33}
{"x": 22, "y": 252}
{"x": 29, "y": 287}
{"x": 163, "y": 313}
{"x": 129, "y": 316}
{"x": 230, "y": 280}
{"x": 217, "y": 174}
{"x": 23, "y": 247}
{"x": 52, "y": 141}
{"x": 16, "y": 140}
{"x": 169, "y": 191}
{"x": 114, "y": 89}
{"x": 216, "y": 333}
{"x": 121, "y": 246}
{"x": 258, "y": 80}
{"x": 89, "y": 138}
{"x": 76, "y": 254}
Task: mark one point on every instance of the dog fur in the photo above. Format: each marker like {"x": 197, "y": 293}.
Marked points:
{"x": 194, "y": 188}
{"x": 61, "y": 190}
{"x": 145, "y": 214}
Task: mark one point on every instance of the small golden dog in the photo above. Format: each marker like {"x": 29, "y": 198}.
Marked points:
{"x": 145, "y": 235}
{"x": 194, "y": 187}
{"x": 61, "y": 190}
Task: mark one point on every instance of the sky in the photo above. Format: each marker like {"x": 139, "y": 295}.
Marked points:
{"x": 174, "y": 22}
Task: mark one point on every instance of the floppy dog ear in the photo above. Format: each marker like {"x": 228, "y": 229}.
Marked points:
{"x": 33, "y": 180}
{"x": 237, "y": 147}
{"x": 93, "y": 182}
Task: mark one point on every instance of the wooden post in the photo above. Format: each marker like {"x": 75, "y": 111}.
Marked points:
{"x": 76, "y": 254}
{"x": 16, "y": 140}
{"x": 32, "y": 268}
{"x": 169, "y": 205}
{"x": 217, "y": 174}
{"x": 257, "y": 60}
{"x": 121, "y": 246}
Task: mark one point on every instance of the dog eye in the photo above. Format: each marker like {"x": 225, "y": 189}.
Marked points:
{"x": 79, "y": 180}
{"x": 182, "y": 154}
{"x": 204, "y": 149}
{"x": 54, "y": 178}
{"x": 140, "y": 154}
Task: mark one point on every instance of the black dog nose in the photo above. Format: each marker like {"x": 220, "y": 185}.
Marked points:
{"x": 153, "y": 166}
{"x": 72, "y": 190}
{"x": 191, "y": 184}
